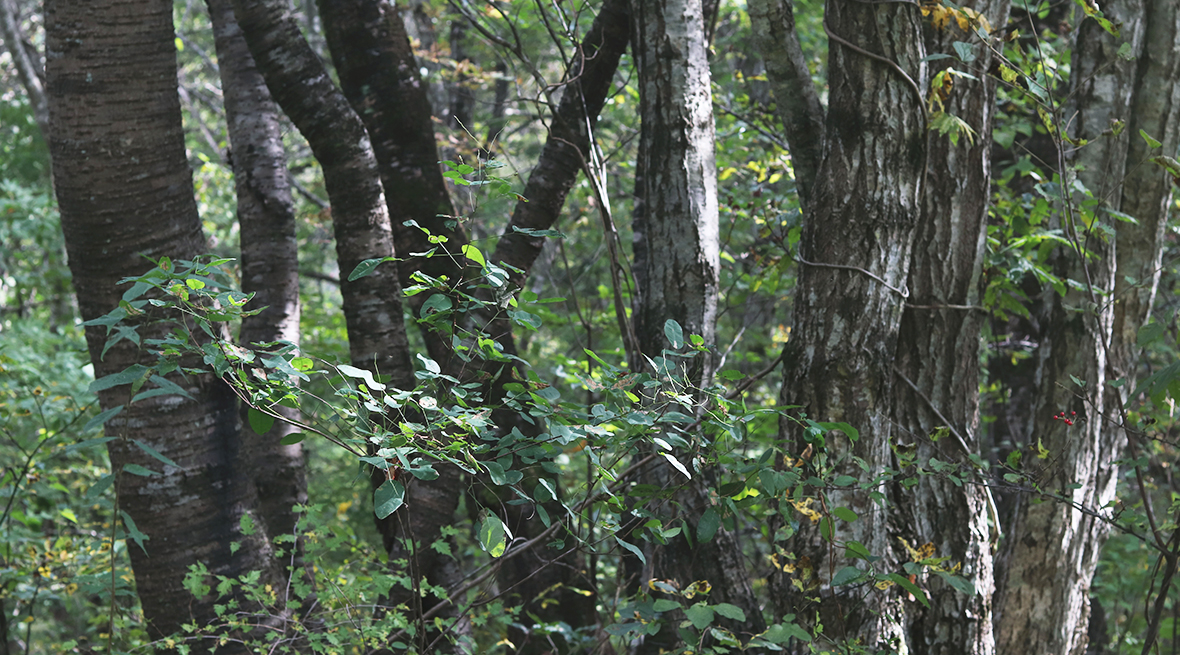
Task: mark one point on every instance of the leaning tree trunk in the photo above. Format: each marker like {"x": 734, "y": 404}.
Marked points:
{"x": 270, "y": 258}
{"x": 28, "y": 69}
{"x": 854, "y": 258}
{"x": 937, "y": 363}
{"x": 676, "y": 277}
{"x": 379, "y": 76}
{"x": 304, "y": 90}
{"x": 125, "y": 191}
{"x": 1042, "y": 599}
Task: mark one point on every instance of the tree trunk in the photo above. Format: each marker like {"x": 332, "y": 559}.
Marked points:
{"x": 676, "y": 269}
{"x": 854, "y": 259}
{"x": 301, "y": 86}
{"x": 125, "y": 191}
{"x": 938, "y": 354}
{"x": 28, "y": 69}
{"x": 270, "y": 258}
{"x": 379, "y": 76}
{"x": 1042, "y": 598}
{"x": 795, "y": 101}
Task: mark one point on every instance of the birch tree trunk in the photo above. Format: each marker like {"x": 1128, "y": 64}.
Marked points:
{"x": 676, "y": 276}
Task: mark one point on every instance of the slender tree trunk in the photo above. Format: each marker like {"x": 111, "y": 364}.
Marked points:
{"x": 301, "y": 86}
{"x": 795, "y": 100}
{"x": 938, "y": 365}
{"x": 270, "y": 258}
{"x": 676, "y": 227}
{"x": 854, "y": 262}
{"x": 379, "y": 76}
{"x": 125, "y": 191}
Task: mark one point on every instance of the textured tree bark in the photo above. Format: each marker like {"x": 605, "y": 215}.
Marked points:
{"x": 379, "y": 76}
{"x": 796, "y": 102}
{"x": 302, "y": 87}
{"x": 938, "y": 353}
{"x": 854, "y": 261}
{"x": 676, "y": 276}
{"x": 270, "y": 258}
{"x": 1041, "y": 597}
{"x": 125, "y": 191}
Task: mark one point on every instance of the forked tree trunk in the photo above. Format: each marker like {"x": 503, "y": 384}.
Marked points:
{"x": 304, "y": 90}
{"x": 125, "y": 191}
{"x": 854, "y": 262}
{"x": 270, "y": 258}
{"x": 938, "y": 354}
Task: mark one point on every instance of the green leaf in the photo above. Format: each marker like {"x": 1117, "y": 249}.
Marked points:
{"x": 634, "y": 550}
{"x": 1169, "y": 164}
{"x": 292, "y": 439}
{"x": 700, "y": 614}
{"x": 429, "y": 364}
{"x": 909, "y": 586}
{"x": 847, "y": 429}
{"x": 708, "y": 525}
{"x": 676, "y": 463}
{"x": 857, "y": 550}
{"x": 136, "y": 469}
{"x": 1151, "y": 143}
{"x": 154, "y": 453}
{"x": 361, "y": 374}
{"x": 260, "y": 422}
{"x": 367, "y": 267}
{"x": 846, "y": 575}
{"x": 665, "y": 605}
{"x": 246, "y": 525}
{"x": 388, "y": 497}
{"x": 436, "y": 303}
{"x": 99, "y": 486}
{"x": 963, "y": 49}
{"x": 102, "y": 418}
{"x": 730, "y": 611}
{"x": 674, "y": 333}
{"x": 500, "y": 476}
{"x": 126, "y": 376}
{"x": 1149, "y": 333}
{"x": 531, "y": 232}
{"x": 68, "y": 514}
{"x": 493, "y": 535}
{"x": 133, "y": 531}
{"x": 845, "y": 513}
{"x": 302, "y": 364}
{"x": 473, "y": 253}
{"x": 779, "y": 633}
{"x": 960, "y": 584}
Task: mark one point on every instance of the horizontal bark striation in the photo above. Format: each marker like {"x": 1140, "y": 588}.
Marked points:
{"x": 1042, "y": 595}
{"x": 838, "y": 363}
{"x": 301, "y": 85}
{"x": 270, "y": 258}
{"x": 379, "y": 76}
{"x": 125, "y": 191}
{"x": 938, "y": 352}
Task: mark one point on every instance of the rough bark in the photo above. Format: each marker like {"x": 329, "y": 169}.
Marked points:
{"x": 854, "y": 260}
{"x": 1041, "y": 598}
{"x": 796, "y": 102}
{"x": 301, "y": 86}
{"x": 938, "y": 353}
{"x": 1147, "y": 188}
{"x": 28, "y": 69}
{"x": 125, "y": 191}
{"x": 270, "y": 258}
{"x": 676, "y": 226}
{"x": 379, "y": 76}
